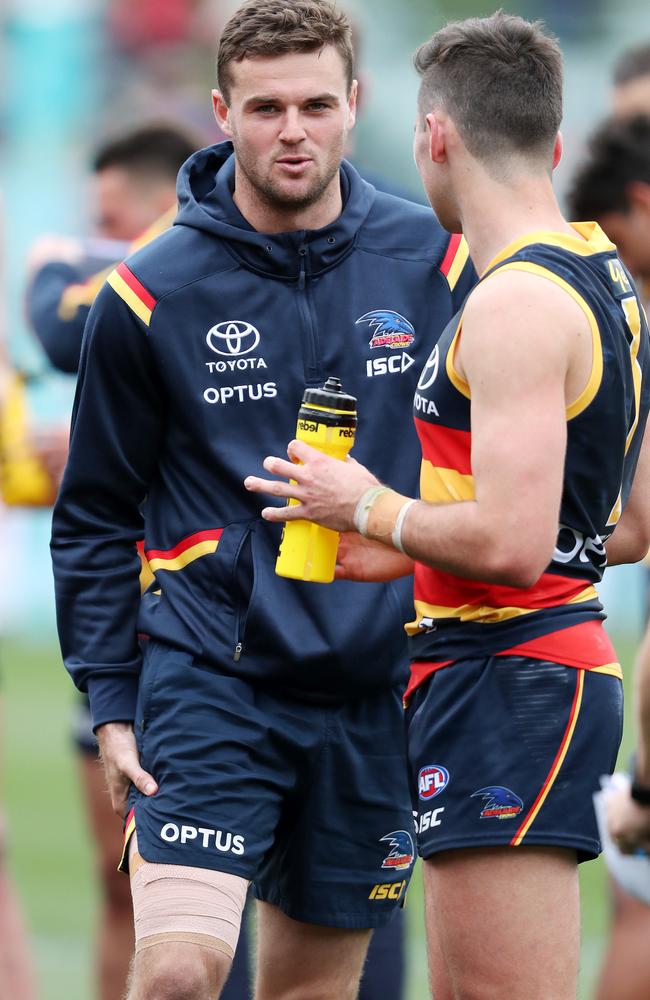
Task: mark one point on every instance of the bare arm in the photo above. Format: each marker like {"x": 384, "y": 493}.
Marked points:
{"x": 631, "y": 539}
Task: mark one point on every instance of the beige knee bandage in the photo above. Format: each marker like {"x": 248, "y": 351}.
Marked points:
{"x": 179, "y": 903}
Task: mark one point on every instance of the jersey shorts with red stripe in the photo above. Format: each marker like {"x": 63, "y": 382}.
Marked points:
{"x": 508, "y": 751}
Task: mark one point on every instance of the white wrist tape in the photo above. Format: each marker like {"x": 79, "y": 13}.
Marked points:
{"x": 364, "y": 505}
{"x": 396, "y": 536}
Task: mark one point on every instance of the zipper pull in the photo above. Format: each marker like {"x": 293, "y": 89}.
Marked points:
{"x": 238, "y": 651}
{"x": 302, "y": 253}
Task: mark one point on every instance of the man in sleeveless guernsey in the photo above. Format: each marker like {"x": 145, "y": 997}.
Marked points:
{"x": 531, "y": 413}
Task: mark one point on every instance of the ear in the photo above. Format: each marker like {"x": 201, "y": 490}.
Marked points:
{"x": 221, "y": 113}
{"x": 557, "y": 150}
{"x": 638, "y": 194}
{"x": 437, "y": 145}
{"x": 352, "y": 103}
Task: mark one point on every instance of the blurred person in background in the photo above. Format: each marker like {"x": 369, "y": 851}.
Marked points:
{"x": 16, "y": 971}
{"x": 300, "y": 112}
{"x": 631, "y": 85}
{"x": 133, "y": 199}
{"x": 612, "y": 186}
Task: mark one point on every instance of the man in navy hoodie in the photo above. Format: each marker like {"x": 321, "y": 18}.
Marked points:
{"x": 260, "y": 737}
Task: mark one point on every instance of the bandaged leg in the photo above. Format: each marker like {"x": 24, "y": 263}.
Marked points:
{"x": 179, "y": 903}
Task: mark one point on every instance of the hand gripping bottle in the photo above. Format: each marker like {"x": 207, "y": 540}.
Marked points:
{"x": 327, "y": 420}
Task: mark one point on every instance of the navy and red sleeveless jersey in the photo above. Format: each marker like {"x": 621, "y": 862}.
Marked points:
{"x": 560, "y": 617}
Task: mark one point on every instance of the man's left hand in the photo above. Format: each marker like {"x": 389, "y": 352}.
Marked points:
{"x": 327, "y": 490}
{"x": 628, "y": 822}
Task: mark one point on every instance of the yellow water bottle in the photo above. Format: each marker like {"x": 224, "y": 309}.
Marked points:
{"x": 327, "y": 420}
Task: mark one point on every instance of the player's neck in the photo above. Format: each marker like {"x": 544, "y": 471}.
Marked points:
{"x": 495, "y": 214}
{"x": 268, "y": 217}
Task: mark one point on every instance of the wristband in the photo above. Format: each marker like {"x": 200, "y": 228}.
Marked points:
{"x": 396, "y": 536}
{"x": 364, "y": 506}
{"x": 380, "y": 514}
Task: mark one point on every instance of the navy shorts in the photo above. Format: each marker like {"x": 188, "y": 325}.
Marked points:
{"x": 507, "y": 750}
{"x": 309, "y": 801}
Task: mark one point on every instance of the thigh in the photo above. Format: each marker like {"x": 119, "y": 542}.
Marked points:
{"x": 344, "y": 858}
{"x": 509, "y": 751}
{"x": 506, "y": 923}
{"x": 182, "y": 905}
{"x": 224, "y": 756}
{"x": 625, "y": 974}
{"x": 297, "y": 959}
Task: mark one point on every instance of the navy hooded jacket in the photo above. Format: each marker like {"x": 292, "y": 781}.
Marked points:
{"x": 195, "y": 358}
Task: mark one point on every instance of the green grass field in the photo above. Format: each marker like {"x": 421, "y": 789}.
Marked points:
{"x": 50, "y": 853}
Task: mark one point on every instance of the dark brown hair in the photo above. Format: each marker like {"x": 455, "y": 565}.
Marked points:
{"x": 618, "y": 155}
{"x": 155, "y": 150}
{"x": 276, "y": 27}
{"x": 500, "y": 80}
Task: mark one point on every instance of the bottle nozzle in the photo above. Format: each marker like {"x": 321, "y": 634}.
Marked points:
{"x": 333, "y": 384}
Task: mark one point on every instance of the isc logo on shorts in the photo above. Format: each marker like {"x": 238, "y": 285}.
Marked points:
{"x": 432, "y": 780}
{"x": 387, "y": 890}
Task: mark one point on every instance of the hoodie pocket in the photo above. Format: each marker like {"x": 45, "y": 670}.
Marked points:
{"x": 243, "y": 585}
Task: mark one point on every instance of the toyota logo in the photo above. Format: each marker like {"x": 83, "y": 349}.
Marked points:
{"x": 232, "y": 338}
{"x": 430, "y": 370}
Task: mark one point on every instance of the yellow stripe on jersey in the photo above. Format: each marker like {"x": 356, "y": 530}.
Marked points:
{"x": 456, "y": 380}
{"x": 611, "y": 669}
{"x": 438, "y": 485}
{"x": 132, "y": 299}
{"x": 456, "y": 269}
{"x": 83, "y": 294}
{"x": 482, "y": 612}
{"x": 590, "y": 240}
{"x": 186, "y": 557}
{"x": 557, "y": 764}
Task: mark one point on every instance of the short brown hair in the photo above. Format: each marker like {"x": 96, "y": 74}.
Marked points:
{"x": 500, "y": 80}
{"x": 276, "y": 27}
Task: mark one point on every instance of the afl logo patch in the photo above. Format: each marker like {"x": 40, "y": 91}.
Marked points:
{"x": 432, "y": 780}
{"x": 233, "y": 338}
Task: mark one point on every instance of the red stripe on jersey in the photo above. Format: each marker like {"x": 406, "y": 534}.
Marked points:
{"x": 199, "y": 536}
{"x": 452, "y": 248}
{"x": 437, "y": 587}
{"x": 420, "y": 670}
{"x": 584, "y": 645}
{"x": 136, "y": 287}
{"x": 444, "y": 447}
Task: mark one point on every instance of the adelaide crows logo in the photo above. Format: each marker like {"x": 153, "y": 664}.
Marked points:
{"x": 401, "y": 852}
{"x": 500, "y": 802}
{"x": 389, "y": 328}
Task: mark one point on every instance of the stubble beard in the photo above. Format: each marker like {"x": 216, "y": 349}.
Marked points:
{"x": 278, "y": 196}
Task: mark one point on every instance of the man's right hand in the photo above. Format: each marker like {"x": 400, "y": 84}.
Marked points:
{"x": 367, "y": 561}
{"x": 119, "y": 753}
